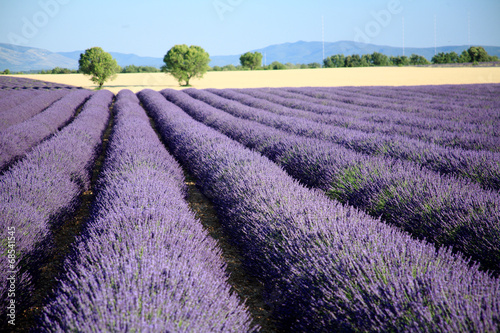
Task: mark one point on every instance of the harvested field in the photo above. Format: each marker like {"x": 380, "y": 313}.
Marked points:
{"x": 332, "y": 77}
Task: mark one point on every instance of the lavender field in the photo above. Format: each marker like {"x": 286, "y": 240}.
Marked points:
{"x": 369, "y": 209}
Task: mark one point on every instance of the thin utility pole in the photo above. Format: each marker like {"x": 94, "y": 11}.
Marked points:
{"x": 468, "y": 27}
{"x": 323, "y": 36}
{"x": 435, "y": 36}
{"x": 403, "y": 36}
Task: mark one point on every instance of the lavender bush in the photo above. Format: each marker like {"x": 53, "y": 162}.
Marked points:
{"x": 143, "y": 263}
{"x": 30, "y": 108}
{"x": 415, "y": 112}
{"x": 18, "y": 139}
{"x": 480, "y": 166}
{"x": 442, "y": 209}
{"x": 11, "y": 98}
{"x": 20, "y": 83}
{"x": 325, "y": 266}
{"x": 448, "y": 133}
{"x": 38, "y": 190}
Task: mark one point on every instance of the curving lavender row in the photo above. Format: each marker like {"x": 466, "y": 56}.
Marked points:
{"x": 457, "y": 102}
{"x": 440, "y": 103}
{"x": 444, "y": 210}
{"x": 30, "y": 108}
{"x": 480, "y": 166}
{"x": 404, "y": 122}
{"x": 325, "y": 266}
{"x": 399, "y": 122}
{"x": 18, "y": 83}
{"x": 417, "y": 114}
{"x": 381, "y": 122}
{"x": 144, "y": 263}
{"x": 15, "y": 97}
{"x": 46, "y": 184}
{"x": 440, "y": 97}
{"x": 420, "y": 109}
{"x": 18, "y": 139}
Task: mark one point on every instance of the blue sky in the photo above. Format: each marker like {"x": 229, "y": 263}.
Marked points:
{"x": 226, "y": 27}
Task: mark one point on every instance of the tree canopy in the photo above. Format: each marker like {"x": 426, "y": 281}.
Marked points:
{"x": 251, "y": 60}
{"x": 185, "y": 63}
{"x": 99, "y": 65}
{"x": 479, "y": 54}
{"x": 474, "y": 54}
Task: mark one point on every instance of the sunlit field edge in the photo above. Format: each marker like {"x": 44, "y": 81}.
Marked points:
{"x": 321, "y": 77}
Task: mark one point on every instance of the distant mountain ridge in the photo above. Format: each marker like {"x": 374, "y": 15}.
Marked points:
{"x": 22, "y": 58}
{"x": 123, "y": 59}
{"x": 308, "y": 52}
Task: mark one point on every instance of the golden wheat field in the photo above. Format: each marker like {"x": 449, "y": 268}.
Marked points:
{"x": 362, "y": 76}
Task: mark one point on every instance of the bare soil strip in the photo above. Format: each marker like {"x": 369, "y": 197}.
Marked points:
{"x": 246, "y": 286}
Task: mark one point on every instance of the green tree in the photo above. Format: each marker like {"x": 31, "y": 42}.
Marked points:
{"x": 353, "y": 61}
{"x": 400, "y": 61}
{"x": 478, "y": 54}
{"x": 130, "y": 69}
{"x": 277, "y": 65}
{"x": 366, "y": 60}
{"x": 185, "y": 63}
{"x": 229, "y": 67}
{"x": 452, "y": 57}
{"x": 314, "y": 65}
{"x": 99, "y": 65}
{"x": 334, "y": 61}
{"x": 464, "y": 57}
{"x": 445, "y": 58}
{"x": 139, "y": 69}
{"x": 439, "y": 58}
{"x": 379, "y": 59}
{"x": 416, "y": 59}
{"x": 59, "y": 70}
{"x": 251, "y": 60}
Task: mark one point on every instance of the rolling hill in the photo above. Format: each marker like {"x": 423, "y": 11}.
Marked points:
{"x": 22, "y": 58}
{"x": 308, "y": 52}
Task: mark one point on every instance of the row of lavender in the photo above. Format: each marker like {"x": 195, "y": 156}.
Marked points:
{"x": 445, "y": 210}
{"x": 28, "y": 108}
{"x": 445, "y": 132}
{"x": 17, "y": 139}
{"x": 480, "y": 166}
{"x": 143, "y": 262}
{"x": 9, "y": 98}
{"x": 305, "y": 238}
{"x": 41, "y": 189}
{"x": 324, "y": 266}
{"x": 415, "y": 113}
{"x": 16, "y": 83}
{"x": 440, "y": 102}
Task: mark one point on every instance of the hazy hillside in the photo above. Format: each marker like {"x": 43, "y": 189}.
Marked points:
{"x": 308, "y": 52}
{"x": 21, "y": 58}
{"x": 122, "y": 59}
